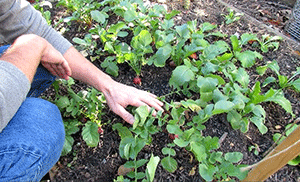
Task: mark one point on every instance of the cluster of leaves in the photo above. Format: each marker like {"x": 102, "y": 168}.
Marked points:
{"x": 212, "y": 164}
{"x": 82, "y": 109}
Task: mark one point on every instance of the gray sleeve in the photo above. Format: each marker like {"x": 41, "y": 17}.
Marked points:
{"x": 14, "y": 87}
{"x": 18, "y": 17}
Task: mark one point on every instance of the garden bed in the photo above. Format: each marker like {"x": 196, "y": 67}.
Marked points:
{"x": 101, "y": 163}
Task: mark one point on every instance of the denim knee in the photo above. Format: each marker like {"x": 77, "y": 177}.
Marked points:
{"x": 32, "y": 141}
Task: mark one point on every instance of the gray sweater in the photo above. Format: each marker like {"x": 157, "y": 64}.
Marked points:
{"x": 18, "y": 17}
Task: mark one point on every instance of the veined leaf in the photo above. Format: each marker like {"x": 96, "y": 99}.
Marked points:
{"x": 282, "y": 101}
{"x": 169, "y": 164}
{"x": 110, "y": 67}
{"x": 296, "y": 84}
{"x": 241, "y": 76}
{"x": 162, "y": 54}
{"x": 199, "y": 151}
{"x": 235, "y": 43}
{"x": 181, "y": 75}
{"x": 246, "y": 37}
{"x": 223, "y": 106}
{"x": 142, "y": 40}
{"x": 151, "y": 167}
{"x": 248, "y": 58}
{"x": 99, "y": 16}
{"x": 235, "y": 119}
{"x": 130, "y": 15}
{"x": 141, "y": 114}
{"x": 90, "y": 134}
{"x": 183, "y": 31}
{"x": 168, "y": 151}
{"x": 259, "y": 123}
{"x": 207, "y": 171}
{"x": 207, "y": 84}
{"x": 122, "y": 130}
{"x": 68, "y": 144}
{"x": 206, "y": 26}
{"x": 233, "y": 157}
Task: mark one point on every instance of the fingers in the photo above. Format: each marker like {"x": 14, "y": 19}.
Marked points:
{"x": 121, "y": 111}
{"x": 62, "y": 70}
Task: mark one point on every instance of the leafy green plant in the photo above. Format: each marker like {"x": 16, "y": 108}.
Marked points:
{"x": 169, "y": 163}
{"x": 212, "y": 165}
{"x": 232, "y": 16}
{"x": 283, "y": 81}
{"x": 254, "y": 148}
{"x": 86, "y": 106}
{"x": 81, "y": 10}
{"x": 232, "y": 97}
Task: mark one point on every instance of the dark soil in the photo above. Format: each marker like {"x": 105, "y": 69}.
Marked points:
{"x": 101, "y": 163}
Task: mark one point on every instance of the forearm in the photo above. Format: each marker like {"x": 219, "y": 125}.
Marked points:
{"x": 85, "y": 71}
{"x": 25, "y": 53}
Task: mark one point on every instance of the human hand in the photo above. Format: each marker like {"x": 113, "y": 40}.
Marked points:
{"x": 119, "y": 96}
{"x": 54, "y": 62}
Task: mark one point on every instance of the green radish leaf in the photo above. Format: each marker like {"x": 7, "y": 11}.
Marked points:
{"x": 240, "y": 75}
{"x": 142, "y": 113}
{"x": 215, "y": 156}
{"x": 289, "y": 131}
{"x": 124, "y": 147}
{"x": 181, "y": 75}
{"x": 296, "y": 84}
{"x": 130, "y": 15}
{"x": 175, "y": 129}
{"x": 80, "y": 41}
{"x": 142, "y": 40}
{"x": 110, "y": 67}
{"x": 246, "y": 37}
{"x": 162, "y": 54}
{"x": 282, "y": 101}
{"x": 206, "y": 27}
{"x": 261, "y": 70}
{"x": 207, "y": 84}
{"x": 63, "y": 102}
{"x": 235, "y": 44}
{"x": 199, "y": 151}
{"x": 248, "y": 58}
{"x": 207, "y": 171}
{"x": 259, "y": 123}
{"x": 99, "y": 16}
{"x": 235, "y": 119}
{"x": 172, "y": 14}
{"x": 181, "y": 142}
{"x": 233, "y": 157}
{"x": 90, "y": 134}
{"x": 122, "y": 130}
{"x": 169, "y": 164}
{"x": 183, "y": 31}
{"x": 68, "y": 144}
{"x": 168, "y": 151}
{"x": 269, "y": 80}
{"x": 276, "y": 137}
{"x": 151, "y": 167}
{"x": 223, "y": 106}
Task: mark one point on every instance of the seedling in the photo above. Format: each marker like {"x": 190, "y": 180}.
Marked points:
{"x": 232, "y": 16}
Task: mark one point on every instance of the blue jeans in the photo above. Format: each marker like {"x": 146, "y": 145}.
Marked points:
{"x": 32, "y": 141}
